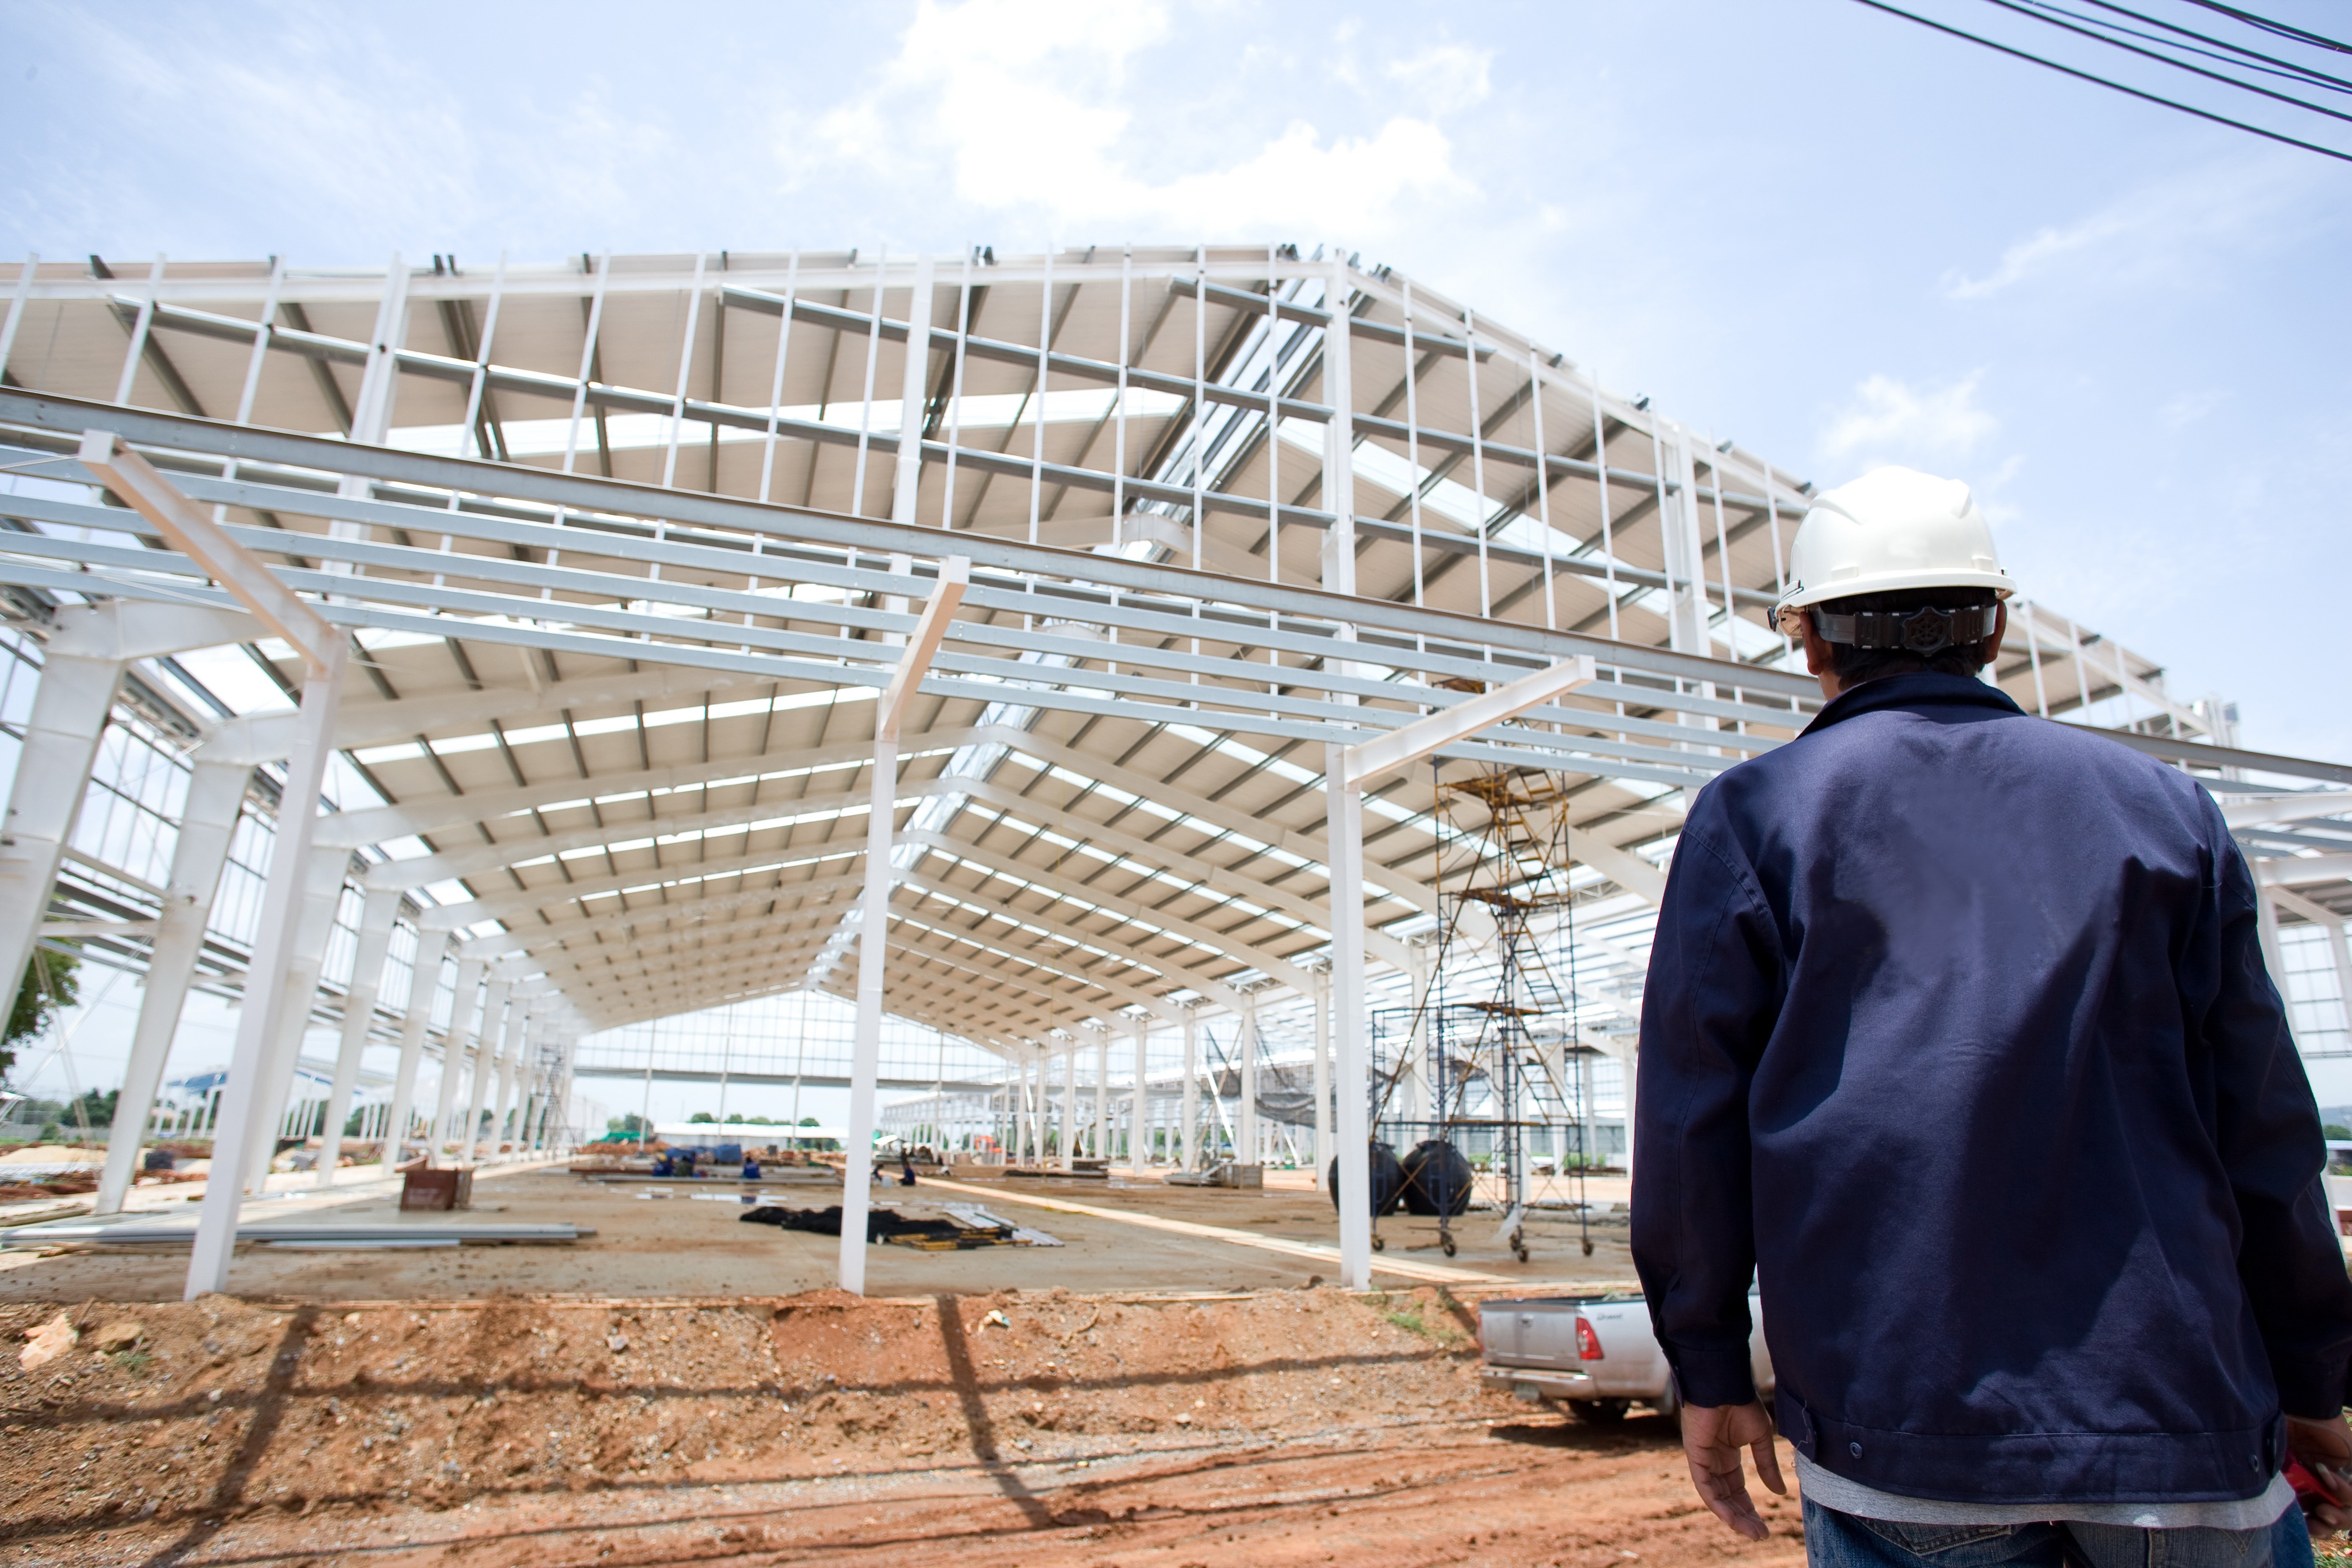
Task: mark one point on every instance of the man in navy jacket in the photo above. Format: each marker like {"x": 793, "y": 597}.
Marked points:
{"x": 1959, "y": 1040}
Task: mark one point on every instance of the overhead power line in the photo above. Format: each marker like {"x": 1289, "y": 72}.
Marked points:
{"x": 2315, "y": 39}
{"x": 2107, "y": 82}
{"x": 2271, "y": 64}
{"x": 2039, "y": 14}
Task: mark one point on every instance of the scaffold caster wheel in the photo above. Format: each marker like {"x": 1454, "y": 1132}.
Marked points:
{"x": 1380, "y": 1244}
{"x": 1587, "y": 1246}
{"x": 1521, "y": 1252}
{"x": 1447, "y": 1243}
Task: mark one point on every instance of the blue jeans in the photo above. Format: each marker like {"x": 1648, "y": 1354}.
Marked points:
{"x": 1834, "y": 1540}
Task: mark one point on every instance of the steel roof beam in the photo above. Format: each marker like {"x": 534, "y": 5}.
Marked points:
{"x": 1207, "y": 880}
{"x": 261, "y": 737}
{"x": 585, "y": 493}
{"x": 1180, "y": 976}
{"x": 558, "y": 937}
{"x": 975, "y": 678}
{"x": 432, "y": 814}
{"x": 1122, "y": 911}
{"x": 650, "y": 881}
{"x": 1335, "y": 677}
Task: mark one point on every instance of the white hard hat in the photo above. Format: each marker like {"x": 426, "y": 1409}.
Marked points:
{"x": 1890, "y": 530}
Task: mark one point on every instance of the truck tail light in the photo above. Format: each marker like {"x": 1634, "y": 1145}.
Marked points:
{"x": 1588, "y": 1343}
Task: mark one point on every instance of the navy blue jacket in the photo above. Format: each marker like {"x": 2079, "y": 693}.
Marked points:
{"x": 1957, "y": 1034}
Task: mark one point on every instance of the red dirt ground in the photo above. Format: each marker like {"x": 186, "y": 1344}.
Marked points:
{"x": 1017, "y": 1429}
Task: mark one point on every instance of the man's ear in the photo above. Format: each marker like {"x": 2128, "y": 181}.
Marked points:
{"x": 1819, "y": 656}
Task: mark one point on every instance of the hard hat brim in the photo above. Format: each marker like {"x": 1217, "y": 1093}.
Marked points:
{"x": 2003, "y": 584}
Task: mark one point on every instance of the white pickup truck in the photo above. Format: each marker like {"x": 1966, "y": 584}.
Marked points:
{"x": 1595, "y": 1354}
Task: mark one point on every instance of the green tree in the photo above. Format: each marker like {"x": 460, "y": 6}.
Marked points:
{"x": 809, "y": 1122}
{"x": 702, "y": 1116}
{"x": 50, "y": 985}
{"x": 2339, "y": 1133}
{"x": 632, "y": 1123}
{"x": 734, "y": 1118}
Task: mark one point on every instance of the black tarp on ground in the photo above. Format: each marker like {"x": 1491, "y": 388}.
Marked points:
{"x": 881, "y": 1225}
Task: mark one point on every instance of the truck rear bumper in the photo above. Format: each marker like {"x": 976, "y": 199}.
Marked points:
{"x": 1531, "y": 1384}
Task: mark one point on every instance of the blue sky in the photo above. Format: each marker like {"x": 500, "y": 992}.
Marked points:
{"x": 1821, "y": 230}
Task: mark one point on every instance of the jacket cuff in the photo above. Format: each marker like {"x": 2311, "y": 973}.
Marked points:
{"x": 1709, "y": 1378}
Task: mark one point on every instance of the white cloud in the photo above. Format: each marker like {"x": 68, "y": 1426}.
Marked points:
{"x": 1891, "y": 420}
{"x": 1447, "y": 78}
{"x": 332, "y": 120}
{"x": 2183, "y": 409}
{"x": 1028, "y": 104}
{"x": 2166, "y": 233}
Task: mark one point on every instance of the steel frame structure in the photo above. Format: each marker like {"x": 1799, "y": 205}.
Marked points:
{"x": 624, "y": 550}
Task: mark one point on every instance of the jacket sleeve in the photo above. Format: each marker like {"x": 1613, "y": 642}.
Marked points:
{"x": 2266, "y": 1129}
{"x": 1708, "y": 1006}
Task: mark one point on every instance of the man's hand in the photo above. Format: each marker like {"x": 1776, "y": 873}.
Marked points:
{"x": 2324, "y": 1448}
{"x": 1712, "y": 1439}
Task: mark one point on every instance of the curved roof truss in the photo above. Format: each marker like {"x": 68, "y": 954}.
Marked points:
{"x": 625, "y": 546}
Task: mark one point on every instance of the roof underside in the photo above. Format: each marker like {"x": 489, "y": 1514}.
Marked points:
{"x": 622, "y": 544}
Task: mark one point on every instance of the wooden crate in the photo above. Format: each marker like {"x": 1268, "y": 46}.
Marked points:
{"x": 436, "y": 1189}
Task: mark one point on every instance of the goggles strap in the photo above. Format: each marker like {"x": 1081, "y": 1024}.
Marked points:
{"x": 1925, "y": 630}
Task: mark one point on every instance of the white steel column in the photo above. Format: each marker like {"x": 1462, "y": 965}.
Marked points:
{"x": 1678, "y": 531}
{"x": 478, "y": 1087}
{"x": 266, "y": 1001}
{"x": 1138, "y": 1117}
{"x": 322, "y": 890}
{"x": 380, "y": 908}
{"x": 1322, "y": 1078}
{"x": 463, "y": 1007}
{"x": 208, "y": 824}
{"x": 1188, "y": 1150}
{"x": 1065, "y": 1149}
{"x": 423, "y": 982}
{"x": 1344, "y": 803}
{"x": 1632, "y": 1061}
{"x": 914, "y": 393}
{"x": 1017, "y": 1146}
{"x": 1338, "y": 563}
{"x": 1421, "y": 975}
{"x": 1344, "y": 843}
{"x": 1036, "y": 1108}
{"x": 69, "y": 712}
{"x": 1101, "y": 1150}
{"x": 1245, "y": 1128}
{"x": 518, "y": 1038}
{"x": 874, "y": 915}
{"x": 866, "y": 1051}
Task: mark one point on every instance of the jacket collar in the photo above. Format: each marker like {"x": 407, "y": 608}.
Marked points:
{"x": 1920, "y": 688}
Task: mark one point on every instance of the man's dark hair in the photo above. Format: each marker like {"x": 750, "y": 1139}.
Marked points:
{"x": 1853, "y": 665}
